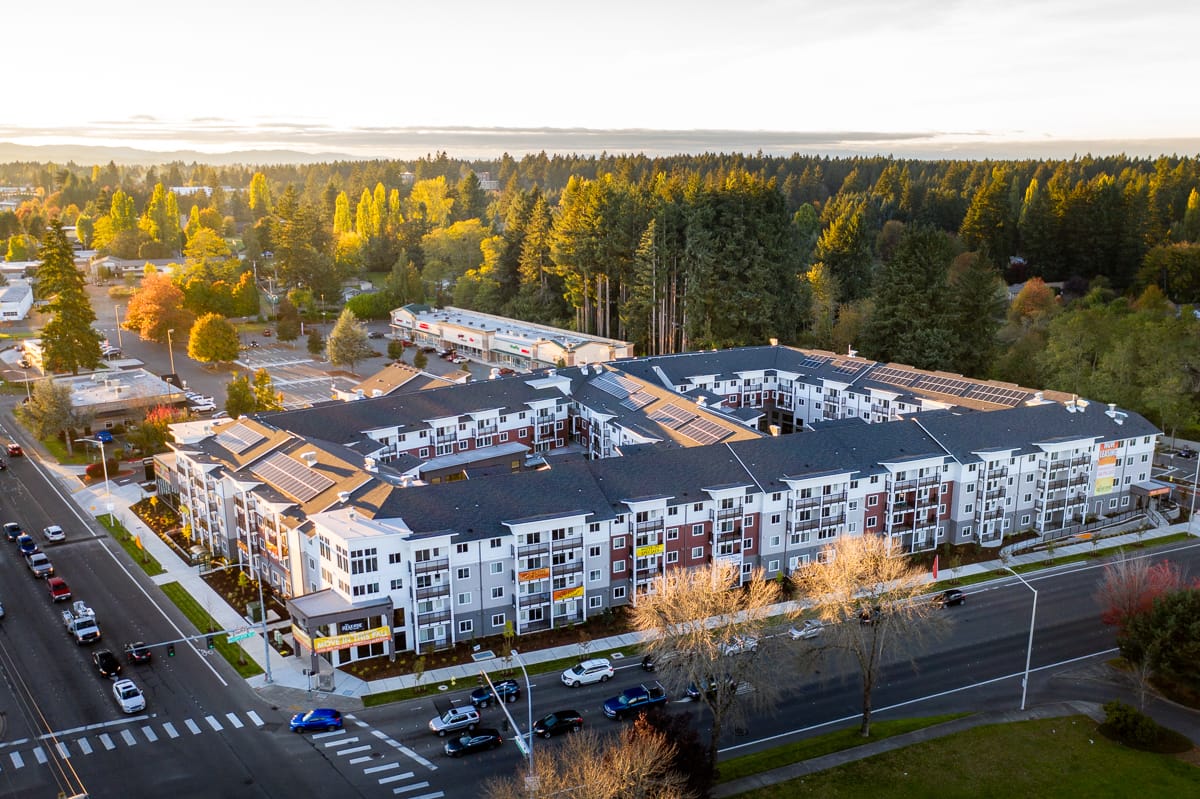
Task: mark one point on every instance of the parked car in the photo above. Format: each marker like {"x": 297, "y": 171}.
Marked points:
{"x": 267, "y": 333}
{"x": 106, "y": 663}
{"x": 375, "y": 334}
{"x": 477, "y": 741}
{"x": 54, "y": 533}
{"x": 459, "y": 359}
{"x": 129, "y": 697}
{"x": 1186, "y": 453}
{"x": 811, "y": 628}
{"x": 12, "y": 530}
{"x": 740, "y": 644}
{"x": 508, "y": 690}
{"x": 504, "y": 370}
{"x": 137, "y": 652}
{"x": 318, "y": 719}
{"x": 710, "y": 688}
{"x": 454, "y": 718}
{"x": 557, "y": 723}
{"x": 58, "y": 588}
{"x": 589, "y": 671}
{"x": 951, "y": 597}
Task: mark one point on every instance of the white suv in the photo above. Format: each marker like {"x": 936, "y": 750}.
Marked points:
{"x": 596, "y": 670}
{"x": 455, "y": 718}
{"x": 54, "y": 533}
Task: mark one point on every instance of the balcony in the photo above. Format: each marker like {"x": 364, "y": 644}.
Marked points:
{"x": 445, "y": 438}
{"x": 560, "y": 544}
{"x": 529, "y": 600}
{"x": 805, "y": 524}
{"x": 722, "y": 514}
{"x": 433, "y": 591}
{"x": 728, "y": 535}
{"x": 433, "y": 617}
{"x": 833, "y": 499}
{"x": 805, "y": 502}
{"x": 570, "y": 567}
{"x": 648, "y": 526}
{"x": 530, "y": 550}
{"x": 433, "y": 565}
{"x": 994, "y": 493}
{"x": 486, "y": 428}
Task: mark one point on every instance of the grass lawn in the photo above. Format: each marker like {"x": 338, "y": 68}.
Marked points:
{"x": 823, "y": 745}
{"x": 140, "y": 556}
{"x": 58, "y": 449}
{"x": 203, "y": 622}
{"x": 1051, "y": 758}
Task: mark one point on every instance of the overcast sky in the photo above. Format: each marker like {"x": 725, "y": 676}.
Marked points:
{"x": 359, "y": 76}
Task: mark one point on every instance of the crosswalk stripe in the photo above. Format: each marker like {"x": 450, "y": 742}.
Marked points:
{"x": 107, "y": 741}
{"x": 127, "y": 736}
{"x": 212, "y": 722}
{"x": 328, "y": 734}
{"x": 384, "y": 767}
{"x": 191, "y": 725}
{"x": 356, "y": 760}
{"x": 85, "y": 746}
{"x": 395, "y": 778}
{"x": 150, "y": 734}
{"x": 170, "y": 728}
{"x": 258, "y": 722}
{"x": 340, "y": 742}
{"x": 354, "y": 750}
{"x": 17, "y": 760}
{"x": 234, "y": 720}
{"x": 40, "y": 754}
{"x": 416, "y": 786}
{"x": 434, "y": 795}
{"x": 63, "y": 751}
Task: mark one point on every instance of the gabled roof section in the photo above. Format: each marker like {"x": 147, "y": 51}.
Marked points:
{"x": 308, "y": 474}
{"x": 679, "y": 473}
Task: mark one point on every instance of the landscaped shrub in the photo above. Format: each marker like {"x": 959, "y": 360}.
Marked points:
{"x": 96, "y": 470}
{"x": 1128, "y": 725}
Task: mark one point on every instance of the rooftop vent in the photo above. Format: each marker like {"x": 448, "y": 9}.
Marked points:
{"x": 343, "y": 496}
{"x": 309, "y": 458}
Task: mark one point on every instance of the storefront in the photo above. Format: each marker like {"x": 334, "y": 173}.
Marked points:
{"x": 326, "y": 627}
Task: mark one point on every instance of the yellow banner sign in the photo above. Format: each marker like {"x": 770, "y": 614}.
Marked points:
{"x": 647, "y": 551}
{"x": 568, "y": 593}
{"x": 301, "y": 637}
{"x": 373, "y": 636}
{"x": 533, "y": 574}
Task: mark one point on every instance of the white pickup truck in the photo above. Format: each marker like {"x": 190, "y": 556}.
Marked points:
{"x": 80, "y": 622}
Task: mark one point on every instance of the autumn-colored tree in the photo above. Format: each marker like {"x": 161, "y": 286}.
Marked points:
{"x": 156, "y": 306}
{"x": 151, "y": 434}
{"x": 1131, "y": 585}
{"x": 266, "y": 398}
{"x": 1034, "y": 304}
{"x": 239, "y": 397}
{"x": 692, "y": 618}
{"x": 213, "y": 339}
{"x": 867, "y": 596}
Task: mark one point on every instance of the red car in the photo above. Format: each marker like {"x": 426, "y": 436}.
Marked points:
{"x": 59, "y": 590}
{"x": 14, "y": 450}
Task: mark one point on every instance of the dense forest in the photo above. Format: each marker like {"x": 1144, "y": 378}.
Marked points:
{"x": 900, "y": 260}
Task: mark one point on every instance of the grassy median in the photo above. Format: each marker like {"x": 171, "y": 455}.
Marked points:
{"x": 203, "y": 622}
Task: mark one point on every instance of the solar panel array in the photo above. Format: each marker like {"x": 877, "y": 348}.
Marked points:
{"x": 291, "y": 477}
{"x": 703, "y": 431}
{"x": 239, "y": 438}
{"x": 951, "y": 386}
{"x": 672, "y": 416}
{"x": 843, "y": 365}
{"x": 813, "y": 362}
{"x": 637, "y": 400}
{"x": 607, "y": 383}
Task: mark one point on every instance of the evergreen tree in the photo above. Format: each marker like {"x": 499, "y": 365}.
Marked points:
{"x": 845, "y": 249}
{"x": 287, "y": 322}
{"x": 316, "y": 342}
{"x": 239, "y": 397}
{"x": 348, "y": 342}
{"x": 977, "y": 303}
{"x": 472, "y": 201}
{"x": 69, "y": 340}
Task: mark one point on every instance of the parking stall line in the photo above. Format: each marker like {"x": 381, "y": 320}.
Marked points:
{"x": 127, "y": 736}
{"x": 355, "y": 761}
{"x": 107, "y": 740}
{"x": 40, "y": 754}
{"x": 191, "y": 725}
{"x": 354, "y": 750}
{"x": 340, "y": 742}
{"x": 63, "y": 751}
{"x": 84, "y": 746}
{"x": 234, "y": 720}
{"x": 330, "y": 734}
{"x": 170, "y": 729}
{"x": 395, "y": 778}
{"x": 435, "y": 795}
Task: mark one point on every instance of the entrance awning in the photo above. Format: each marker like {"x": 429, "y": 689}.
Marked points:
{"x": 1151, "y": 488}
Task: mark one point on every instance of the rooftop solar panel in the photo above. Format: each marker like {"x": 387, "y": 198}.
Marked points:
{"x": 239, "y": 438}
{"x": 704, "y": 431}
{"x": 291, "y": 477}
{"x": 609, "y": 384}
{"x": 672, "y": 416}
{"x": 637, "y": 401}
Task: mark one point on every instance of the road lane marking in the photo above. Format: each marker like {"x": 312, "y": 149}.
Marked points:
{"x": 355, "y": 761}
{"x": 234, "y": 720}
{"x": 72, "y": 731}
{"x": 191, "y": 725}
{"x": 380, "y": 734}
{"x": 416, "y": 786}
{"x": 40, "y": 754}
{"x": 150, "y": 734}
{"x": 212, "y": 722}
{"x": 354, "y": 750}
{"x": 63, "y": 751}
{"x": 340, "y": 742}
{"x": 384, "y": 767}
{"x": 107, "y": 741}
{"x": 395, "y": 778}
{"x": 85, "y": 746}
{"x": 258, "y": 722}
{"x": 18, "y": 762}
{"x": 170, "y": 729}
{"x": 127, "y": 736}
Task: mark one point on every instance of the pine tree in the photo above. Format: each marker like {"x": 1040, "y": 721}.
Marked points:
{"x": 977, "y": 304}
{"x": 347, "y": 342}
{"x": 239, "y": 397}
{"x": 69, "y": 341}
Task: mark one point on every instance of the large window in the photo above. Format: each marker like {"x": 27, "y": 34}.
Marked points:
{"x": 363, "y": 561}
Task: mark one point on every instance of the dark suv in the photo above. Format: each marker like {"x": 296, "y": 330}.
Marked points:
{"x": 507, "y": 690}
{"x": 557, "y": 723}
{"x": 948, "y": 598}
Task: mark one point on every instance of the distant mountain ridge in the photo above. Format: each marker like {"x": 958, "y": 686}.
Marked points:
{"x": 84, "y": 154}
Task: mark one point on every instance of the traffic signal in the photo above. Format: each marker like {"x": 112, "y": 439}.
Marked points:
{"x": 211, "y": 641}
{"x": 170, "y": 650}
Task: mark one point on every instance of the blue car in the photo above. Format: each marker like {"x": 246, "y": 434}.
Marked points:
{"x": 26, "y": 544}
{"x": 317, "y": 720}
{"x": 508, "y": 690}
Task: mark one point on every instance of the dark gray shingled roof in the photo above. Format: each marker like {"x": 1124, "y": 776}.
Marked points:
{"x": 644, "y": 472}
{"x": 1022, "y": 428}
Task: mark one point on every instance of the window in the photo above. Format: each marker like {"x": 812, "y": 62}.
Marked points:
{"x": 776, "y": 518}
{"x": 673, "y": 510}
{"x": 496, "y": 567}
{"x": 747, "y": 521}
{"x": 1124, "y": 502}
{"x": 594, "y": 576}
{"x": 423, "y": 452}
{"x": 967, "y": 531}
{"x": 363, "y": 590}
{"x": 777, "y": 496}
{"x": 969, "y": 509}
{"x": 871, "y": 521}
{"x": 1025, "y": 520}
{"x": 774, "y": 540}
{"x": 1028, "y": 498}
{"x": 872, "y": 501}
{"x": 697, "y": 529}
{"x": 854, "y": 505}
{"x": 498, "y": 592}
{"x": 464, "y": 626}
{"x": 464, "y": 598}
{"x": 697, "y": 552}
{"x": 394, "y": 558}
{"x": 673, "y": 534}
{"x": 464, "y": 573}
{"x": 747, "y": 543}
{"x": 619, "y": 592}
{"x": 1112, "y": 503}
{"x": 363, "y": 561}
{"x": 396, "y": 585}
{"x": 496, "y": 543}
{"x": 504, "y": 436}
{"x": 498, "y": 620}
{"x": 594, "y": 527}
{"x": 672, "y": 557}
{"x": 619, "y": 542}
{"x": 618, "y": 567}
{"x": 773, "y": 566}
{"x": 462, "y": 549}
{"x": 594, "y": 601}
{"x": 594, "y": 551}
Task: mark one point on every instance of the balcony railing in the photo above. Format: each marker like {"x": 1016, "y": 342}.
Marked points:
{"x": 433, "y": 591}
{"x": 533, "y": 549}
{"x": 433, "y": 617}
{"x": 647, "y": 526}
{"x": 574, "y": 542}
{"x": 436, "y": 564}
{"x": 570, "y": 567}
{"x": 540, "y": 598}
{"x": 486, "y": 428}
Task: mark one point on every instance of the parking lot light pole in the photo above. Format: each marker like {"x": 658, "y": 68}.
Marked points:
{"x": 1191, "y": 508}
{"x": 117, "y": 314}
{"x": 170, "y": 351}
{"x": 1029, "y": 648}
{"x": 532, "y": 778}
{"x": 104, "y": 465}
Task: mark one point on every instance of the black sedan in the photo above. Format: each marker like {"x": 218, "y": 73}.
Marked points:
{"x": 13, "y": 531}
{"x": 106, "y": 663}
{"x": 558, "y": 722}
{"x": 477, "y": 741}
{"x": 137, "y": 652}
{"x": 948, "y": 598}
{"x": 508, "y": 690}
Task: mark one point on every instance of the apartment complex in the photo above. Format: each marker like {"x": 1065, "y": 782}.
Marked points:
{"x": 419, "y": 519}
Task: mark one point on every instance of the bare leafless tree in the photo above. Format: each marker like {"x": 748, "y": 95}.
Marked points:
{"x": 869, "y": 602}
{"x": 638, "y": 764}
{"x": 707, "y": 631}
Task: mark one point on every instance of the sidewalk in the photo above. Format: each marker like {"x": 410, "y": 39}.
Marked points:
{"x": 290, "y": 684}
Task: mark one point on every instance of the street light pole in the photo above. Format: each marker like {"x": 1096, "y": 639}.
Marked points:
{"x": 29, "y": 396}
{"x": 170, "y": 350}
{"x": 532, "y": 778}
{"x": 117, "y": 313}
{"x": 1191, "y": 509}
{"x": 1029, "y": 648}
{"x": 104, "y": 465}
{"x": 262, "y": 608}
